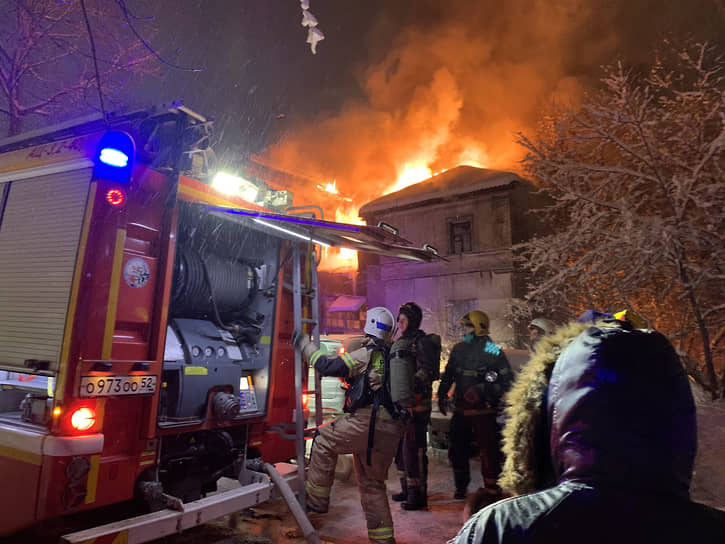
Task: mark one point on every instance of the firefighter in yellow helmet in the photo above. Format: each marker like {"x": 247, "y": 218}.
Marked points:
{"x": 482, "y": 375}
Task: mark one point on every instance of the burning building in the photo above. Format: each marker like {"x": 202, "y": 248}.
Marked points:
{"x": 472, "y": 216}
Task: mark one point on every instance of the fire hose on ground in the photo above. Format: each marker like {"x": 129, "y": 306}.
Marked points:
{"x": 307, "y": 529}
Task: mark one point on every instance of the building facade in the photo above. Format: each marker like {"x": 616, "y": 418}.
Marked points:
{"x": 472, "y": 216}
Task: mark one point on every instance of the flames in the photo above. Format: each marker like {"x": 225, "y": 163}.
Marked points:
{"x": 410, "y": 175}
{"x": 330, "y": 187}
{"x": 333, "y": 258}
{"x": 343, "y": 259}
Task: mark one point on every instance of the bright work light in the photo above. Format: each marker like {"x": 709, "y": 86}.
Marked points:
{"x": 236, "y": 186}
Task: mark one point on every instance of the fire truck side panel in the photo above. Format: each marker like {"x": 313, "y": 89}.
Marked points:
{"x": 271, "y": 445}
{"x": 20, "y": 466}
{"x": 97, "y": 297}
{"x": 111, "y": 338}
{"x": 139, "y": 268}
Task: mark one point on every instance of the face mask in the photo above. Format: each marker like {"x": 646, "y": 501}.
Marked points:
{"x": 468, "y": 337}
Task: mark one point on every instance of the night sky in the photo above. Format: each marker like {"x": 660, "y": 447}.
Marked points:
{"x": 396, "y": 83}
{"x": 442, "y": 73}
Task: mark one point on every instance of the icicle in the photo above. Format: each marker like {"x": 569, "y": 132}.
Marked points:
{"x": 314, "y": 35}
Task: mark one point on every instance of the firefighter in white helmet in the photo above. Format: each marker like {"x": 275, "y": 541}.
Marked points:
{"x": 538, "y": 328}
{"x": 370, "y": 429}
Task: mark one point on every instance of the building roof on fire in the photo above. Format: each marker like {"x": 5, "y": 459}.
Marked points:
{"x": 453, "y": 183}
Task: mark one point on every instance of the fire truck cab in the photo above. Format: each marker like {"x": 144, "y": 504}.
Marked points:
{"x": 146, "y": 319}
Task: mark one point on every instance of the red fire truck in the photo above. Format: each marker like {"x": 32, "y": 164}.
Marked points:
{"x": 145, "y": 325}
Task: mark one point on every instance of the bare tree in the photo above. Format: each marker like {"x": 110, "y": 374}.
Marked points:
{"x": 46, "y": 60}
{"x": 637, "y": 180}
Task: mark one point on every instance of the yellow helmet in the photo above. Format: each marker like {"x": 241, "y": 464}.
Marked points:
{"x": 478, "y": 319}
{"x": 634, "y": 319}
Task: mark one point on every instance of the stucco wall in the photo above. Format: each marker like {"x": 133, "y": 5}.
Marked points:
{"x": 480, "y": 279}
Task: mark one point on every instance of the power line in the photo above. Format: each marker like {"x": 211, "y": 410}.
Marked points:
{"x": 95, "y": 61}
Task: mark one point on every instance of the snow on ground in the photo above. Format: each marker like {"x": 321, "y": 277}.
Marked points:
{"x": 344, "y": 524}
{"x": 708, "y": 482}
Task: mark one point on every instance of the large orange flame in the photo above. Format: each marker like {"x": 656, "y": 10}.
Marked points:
{"x": 410, "y": 173}
{"x": 342, "y": 259}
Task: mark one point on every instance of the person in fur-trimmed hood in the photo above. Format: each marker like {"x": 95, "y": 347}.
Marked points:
{"x": 599, "y": 445}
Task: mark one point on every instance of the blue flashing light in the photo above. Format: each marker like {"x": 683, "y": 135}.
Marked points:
{"x": 113, "y": 157}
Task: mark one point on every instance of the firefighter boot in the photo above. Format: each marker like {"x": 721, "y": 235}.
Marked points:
{"x": 461, "y": 479}
{"x": 416, "y": 499}
{"x": 403, "y": 495}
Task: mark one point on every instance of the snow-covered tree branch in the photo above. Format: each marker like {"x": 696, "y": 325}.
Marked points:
{"x": 46, "y": 65}
{"x": 636, "y": 180}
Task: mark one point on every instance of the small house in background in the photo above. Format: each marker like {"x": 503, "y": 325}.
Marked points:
{"x": 346, "y": 314}
{"x": 472, "y": 216}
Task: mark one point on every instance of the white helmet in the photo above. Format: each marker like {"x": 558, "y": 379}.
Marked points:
{"x": 544, "y": 324}
{"x": 379, "y": 322}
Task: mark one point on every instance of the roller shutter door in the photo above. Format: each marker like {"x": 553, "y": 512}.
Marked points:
{"x": 39, "y": 234}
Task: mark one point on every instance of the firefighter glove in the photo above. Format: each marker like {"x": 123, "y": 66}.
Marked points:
{"x": 304, "y": 344}
{"x": 296, "y": 338}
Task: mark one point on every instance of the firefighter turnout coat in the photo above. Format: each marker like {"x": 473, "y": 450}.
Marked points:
{"x": 349, "y": 435}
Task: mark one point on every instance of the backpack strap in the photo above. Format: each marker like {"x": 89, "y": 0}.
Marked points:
{"x": 371, "y": 430}
{"x": 377, "y": 401}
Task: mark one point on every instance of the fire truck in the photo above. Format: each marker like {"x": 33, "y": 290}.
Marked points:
{"x": 145, "y": 327}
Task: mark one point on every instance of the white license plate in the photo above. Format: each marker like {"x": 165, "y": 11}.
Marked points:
{"x": 106, "y": 386}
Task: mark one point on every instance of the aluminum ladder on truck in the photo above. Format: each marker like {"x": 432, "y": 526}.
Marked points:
{"x": 308, "y": 291}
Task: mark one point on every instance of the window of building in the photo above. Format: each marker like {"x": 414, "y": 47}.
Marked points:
{"x": 455, "y": 310}
{"x": 460, "y": 235}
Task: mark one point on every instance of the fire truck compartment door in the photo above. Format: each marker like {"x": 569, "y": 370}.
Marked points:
{"x": 329, "y": 233}
{"x": 40, "y": 228}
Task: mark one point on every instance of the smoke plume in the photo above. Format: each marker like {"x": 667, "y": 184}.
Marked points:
{"x": 459, "y": 80}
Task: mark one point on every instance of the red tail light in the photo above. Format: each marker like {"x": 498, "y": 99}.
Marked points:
{"x": 305, "y": 400}
{"x": 83, "y": 419}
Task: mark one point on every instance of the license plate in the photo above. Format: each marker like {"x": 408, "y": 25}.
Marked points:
{"x": 107, "y": 386}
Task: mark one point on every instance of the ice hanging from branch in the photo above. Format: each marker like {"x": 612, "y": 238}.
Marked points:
{"x": 314, "y": 34}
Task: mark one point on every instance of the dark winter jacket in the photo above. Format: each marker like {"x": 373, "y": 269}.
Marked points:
{"x": 602, "y": 423}
{"x": 482, "y": 375}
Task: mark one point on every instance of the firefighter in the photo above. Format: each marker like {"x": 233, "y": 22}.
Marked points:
{"x": 538, "y": 328}
{"x": 371, "y": 428}
{"x": 482, "y": 374}
{"x": 414, "y": 351}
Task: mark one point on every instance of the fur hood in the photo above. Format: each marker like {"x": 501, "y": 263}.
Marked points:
{"x": 592, "y": 404}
